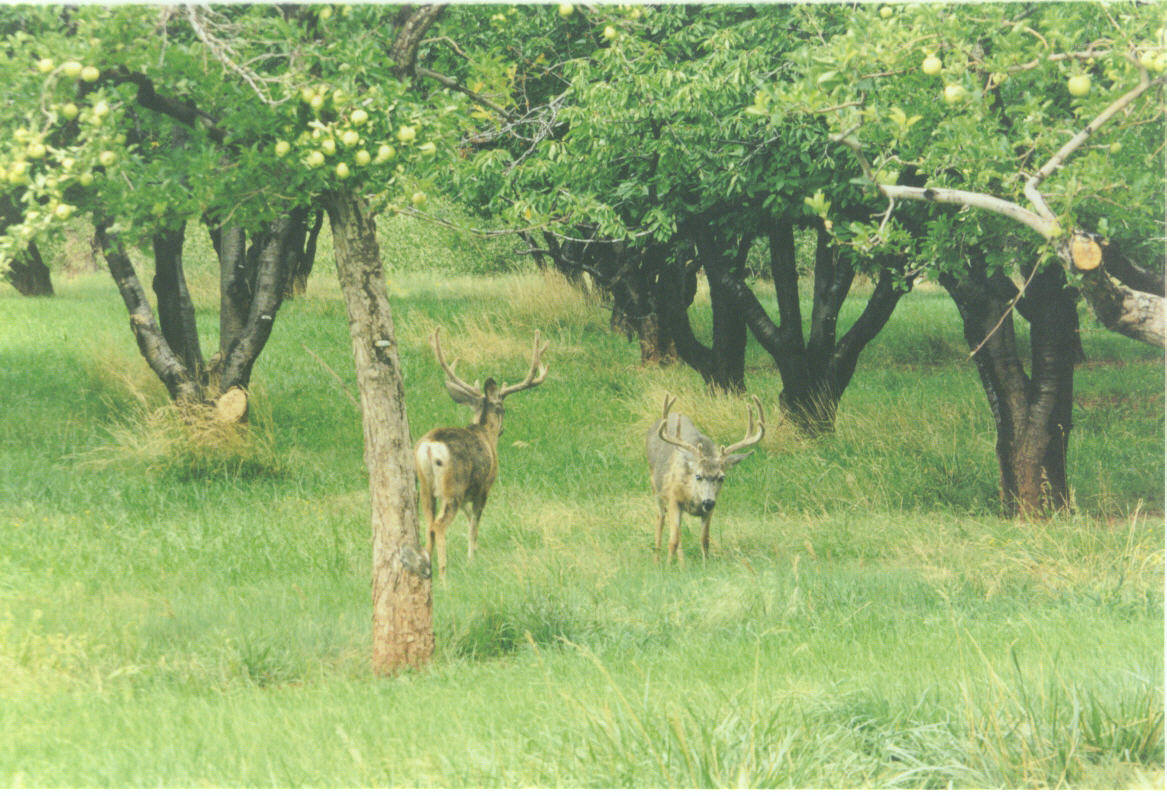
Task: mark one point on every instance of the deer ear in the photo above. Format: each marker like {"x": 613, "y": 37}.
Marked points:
{"x": 734, "y": 458}
{"x": 490, "y": 390}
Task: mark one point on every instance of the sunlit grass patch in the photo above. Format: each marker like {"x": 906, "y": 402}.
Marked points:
{"x": 186, "y": 440}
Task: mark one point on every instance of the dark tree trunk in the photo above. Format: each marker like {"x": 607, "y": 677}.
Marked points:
{"x": 1031, "y": 412}
{"x": 176, "y": 315}
{"x": 728, "y": 370}
{"x": 29, "y": 274}
{"x": 402, "y": 599}
{"x": 302, "y": 249}
{"x": 179, "y": 381}
{"x": 816, "y": 371}
{"x": 268, "y": 273}
{"x": 234, "y": 294}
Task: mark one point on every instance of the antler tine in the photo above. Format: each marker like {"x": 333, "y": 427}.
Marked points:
{"x": 535, "y": 375}
{"x": 754, "y": 433}
{"x": 451, "y": 377}
{"x": 674, "y": 439}
{"x": 669, "y": 401}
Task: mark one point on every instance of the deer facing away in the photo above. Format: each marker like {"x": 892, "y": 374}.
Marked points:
{"x": 688, "y": 469}
{"x": 457, "y": 466}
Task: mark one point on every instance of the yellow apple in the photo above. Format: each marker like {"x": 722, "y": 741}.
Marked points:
{"x": 359, "y": 116}
{"x": 86, "y": 179}
{"x": 419, "y": 198}
{"x": 932, "y": 65}
{"x": 385, "y": 152}
{"x": 317, "y": 102}
{"x": 350, "y": 138}
{"x": 428, "y": 148}
{"x": 1079, "y": 85}
{"x": 44, "y": 65}
{"x": 36, "y": 150}
{"x": 100, "y": 109}
{"x": 69, "y": 110}
{"x": 328, "y": 146}
{"x": 315, "y": 158}
{"x": 405, "y": 134}
{"x": 107, "y": 158}
{"x": 953, "y": 93}
{"x": 71, "y": 69}
{"x": 609, "y": 32}
{"x": 885, "y": 12}
{"x": 63, "y": 211}
{"x": 362, "y": 157}
{"x": 566, "y": 10}
{"x": 282, "y": 148}
{"x": 342, "y": 170}
{"x": 90, "y": 73}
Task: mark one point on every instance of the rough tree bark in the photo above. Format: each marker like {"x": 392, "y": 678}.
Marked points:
{"x": 1031, "y": 412}
{"x": 402, "y": 598}
{"x": 180, "y": 382}
{"x": 176, "y": 315}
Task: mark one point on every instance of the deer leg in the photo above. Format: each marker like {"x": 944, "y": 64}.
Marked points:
{"x": 705, "y": 534}
{"x": 660, "y": 526}
{"x": 675, "y": 549}
{"x": 475, "y": 514}
{"x": 438, "y": 534}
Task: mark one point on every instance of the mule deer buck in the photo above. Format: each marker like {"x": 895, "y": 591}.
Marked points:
{"x": 688, "y": 469}
{"x": 457, "y": 466}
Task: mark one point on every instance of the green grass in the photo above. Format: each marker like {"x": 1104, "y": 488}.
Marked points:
{"x": 173, "y": 615}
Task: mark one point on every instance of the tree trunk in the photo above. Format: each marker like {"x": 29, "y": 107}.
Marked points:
{"x": 29, "y": 274}
{"x": 179, "y": 381}
{"x": 176, "y": 315}
{"x": 1031, "y": 412}
{"x": 303, "y": 251}
{"x": 402, "y": 599}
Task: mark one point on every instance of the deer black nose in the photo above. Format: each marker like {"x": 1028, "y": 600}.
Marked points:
{"x": 707, "y": 505}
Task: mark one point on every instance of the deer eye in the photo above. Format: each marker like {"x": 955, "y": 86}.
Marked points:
{"x": 699, "y": 478}
{"x": 720, "y": 478}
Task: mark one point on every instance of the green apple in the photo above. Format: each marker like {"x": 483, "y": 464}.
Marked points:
{"x": 328, "y": 146}
{"x": 315, "y": 159}
{"x": 69, "y": 110}
{"x": 71, "y": 69}
{"x": 90, "y": 73}
{"x": 86, "y": 179}
{"x": 36, "y": 150}
{"x": 362, "y": 157}
{"x": 886, "y": 12}
{"x": 1115, "y": 147}
{"x": 342, "y": 170}
{"x": 325, "y": 13}
{"x": 1079, "y": 85}
{"x": 359, "y": 117}
{"x": 317, "y": 102}
{"x": 107, "y": 157}
{"x": 350, "y": 138}
{"x": 932, "y": 66}
{"x": 63, "y": 211}
{"x": 307, "y": 93}
{"x": 100, "y": 109}
{"x": 428, "y": 148}
{"x": 419, "y": 198}
{"x": 610, "y": 32}
{"x": 953, "y": 93}
{"x": 282, "y": 148}
{"x": 44, "y": 65}
{"x": 405, "y": 134}
{"x": 566, "y": 10}
{"x": 385, "y": 152}
{"x": 67, "y": 163}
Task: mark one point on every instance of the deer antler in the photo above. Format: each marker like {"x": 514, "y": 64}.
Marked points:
{"x": 459, "y": 390}
{"x": 534, "y": 377}
{"x": 672, "y": 439}
{"x": 753, "y": 433}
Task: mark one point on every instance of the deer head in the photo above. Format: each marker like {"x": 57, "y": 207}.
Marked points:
{"x": 709, "y": 463}
{"x": 487, "y": 401}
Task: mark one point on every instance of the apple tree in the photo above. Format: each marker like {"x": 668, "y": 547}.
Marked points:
{"x": 1018, "y": 153}
{"x": 656, "y": 168}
